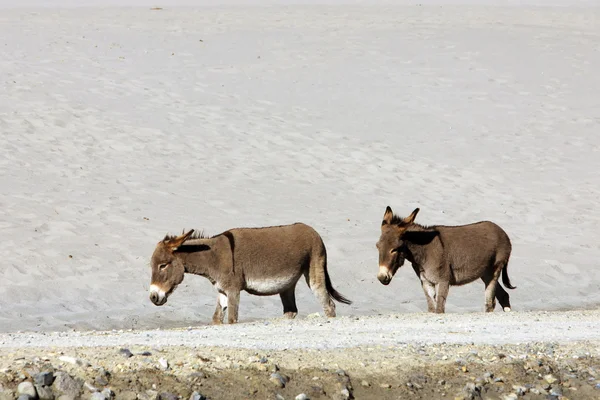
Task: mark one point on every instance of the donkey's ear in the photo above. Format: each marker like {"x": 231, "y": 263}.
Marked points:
{"x": 411, "y": 218}
{"x": 173, "y": 244}
{"x": 420, "y": 237}
{"x": 388, "y": 216}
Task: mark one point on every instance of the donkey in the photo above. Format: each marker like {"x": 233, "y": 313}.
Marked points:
{"x": 446, "y": 255}
{"x": 262, "y": 261}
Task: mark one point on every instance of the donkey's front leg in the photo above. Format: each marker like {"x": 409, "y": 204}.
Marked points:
{"x": 429, "y": 290}
{"x": 217, "y": 318}
{"x": 233, "y": 304}
{"x": 441, "y": 289}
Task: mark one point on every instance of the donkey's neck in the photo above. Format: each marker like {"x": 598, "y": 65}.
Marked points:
{"x": 421, "y": 254}
{"x": 204, "y": 257}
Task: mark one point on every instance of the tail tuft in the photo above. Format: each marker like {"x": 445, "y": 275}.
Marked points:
{"x": 334, "y": 293}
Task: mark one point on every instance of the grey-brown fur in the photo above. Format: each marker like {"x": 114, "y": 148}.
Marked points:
{"x": 261, "y": 261}
{"x": 444, "y": 256}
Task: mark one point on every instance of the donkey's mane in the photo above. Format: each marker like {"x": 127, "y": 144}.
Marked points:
{"x": 398, "y": 220}
{"x": 196, "y": 235}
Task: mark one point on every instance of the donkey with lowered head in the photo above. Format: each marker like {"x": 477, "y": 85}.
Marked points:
{"x": 444, "y": 256}
{"x": 262, "y": 261}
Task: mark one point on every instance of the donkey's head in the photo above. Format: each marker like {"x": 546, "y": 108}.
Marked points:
{"x": 167, "y": 268}
{"x": 391, "y": 244}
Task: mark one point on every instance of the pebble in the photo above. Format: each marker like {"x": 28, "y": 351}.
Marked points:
{"x": 278, "y": 379}
{"x": 302, "y": 396}
{"x": 520, "y": 390}
{"x": 108, "y": 393}
{"x": 346, "y": 395}
{"x": 90, "y": 387}
{"x": 385, "y": 385}
{"x": 167, "y": 396}
{"x": 341, "y": 372}
{"x": 164, "y": 364}
{"x": 597, "y": 386}
{"x": 44, "y": 378}
{"x": 197, "y": 396}
{"x": 126, "y": 353}
{"x": 511, "y": 396}
{"x": 26, "y": 388}
{"x": 365, "y": 383}
{"x": 550, "y": 378}
{"x": 44, "y": 392}
{"x": 25, "y": 397}
{"x": 556, "y": 391}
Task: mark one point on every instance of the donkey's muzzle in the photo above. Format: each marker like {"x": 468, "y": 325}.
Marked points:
{"x": 384, "y": 275}
{"x": 157, "y": 296}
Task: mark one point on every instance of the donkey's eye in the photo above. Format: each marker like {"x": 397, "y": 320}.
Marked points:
{"x": 162, "y": 266}
{"x": 394, "y": 250}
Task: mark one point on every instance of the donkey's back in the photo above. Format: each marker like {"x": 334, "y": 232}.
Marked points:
{"x": 473, "y": 249}
{"x": 273, "y": 248}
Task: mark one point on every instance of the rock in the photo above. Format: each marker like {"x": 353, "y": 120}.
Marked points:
{"x": 64, "y": 384}
{"x": 73, "y": 360}
{"x": 149, "y": 395}
{"x": 520, "y": 390}
{"x": 365, "y": 383}
{"x": 101, "y": 381}
{"x": 196, "y": 375}
{"x": 97, "y": 396}
{"x": 279, "y": 397}
{"x": 597, "y": 386}
{"x": 126, "y": 353}
{"x": 44, "y": 392}
{"x": 108, "y": 393}
{"x": 385, "y": 385}
{"x": 472, "y": 391}
{"x": 197, "y": 396}
{"x": 25, "y": 397}
{"x": 302, "y": 396}
{"x": 164, "y": 364}
{"x": 555, "y": 391}
{"x": 263, "y": 360}
{"x": 91, "y": 388}
{"x": 511, "y": 396}
{"x": 44, "y": 378}
{"x": 550, "y": 378}
{"x": 278, "y": 379}
{"x": 499, "y": 379}
{"x": 346, "y": 394}
{"x": 167, "y": 396}
{"x": 341, "y": 372}
{"x": 26, "y": 388}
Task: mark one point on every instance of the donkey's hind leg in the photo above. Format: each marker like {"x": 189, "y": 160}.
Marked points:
{"x": 315, "y": 278}
{"x": 288, "y": 299}
{"x": 502, "y": 297}
{"x": 490, "y": 279}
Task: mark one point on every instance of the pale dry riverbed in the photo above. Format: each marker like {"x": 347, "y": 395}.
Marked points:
{"x": 418, "y": 356}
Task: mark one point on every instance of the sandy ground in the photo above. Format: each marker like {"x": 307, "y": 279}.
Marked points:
{"x": 119, "y": 125}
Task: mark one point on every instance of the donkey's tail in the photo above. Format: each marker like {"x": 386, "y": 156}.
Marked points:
{"x": 505, "y": 278}
{"x": 332, "y": 292}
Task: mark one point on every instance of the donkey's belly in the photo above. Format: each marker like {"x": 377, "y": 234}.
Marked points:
{"x": 270, "y": 286}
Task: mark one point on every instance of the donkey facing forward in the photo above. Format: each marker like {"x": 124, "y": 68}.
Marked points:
{"x": 262, "y": 261}
{"x": 446, "y": 255}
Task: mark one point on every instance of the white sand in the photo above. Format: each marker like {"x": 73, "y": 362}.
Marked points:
{"x": 223, "y": 116}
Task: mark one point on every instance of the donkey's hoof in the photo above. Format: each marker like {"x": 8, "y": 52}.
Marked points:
{"x": 290, "y": 315}
{"x": 507, "y": 309}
